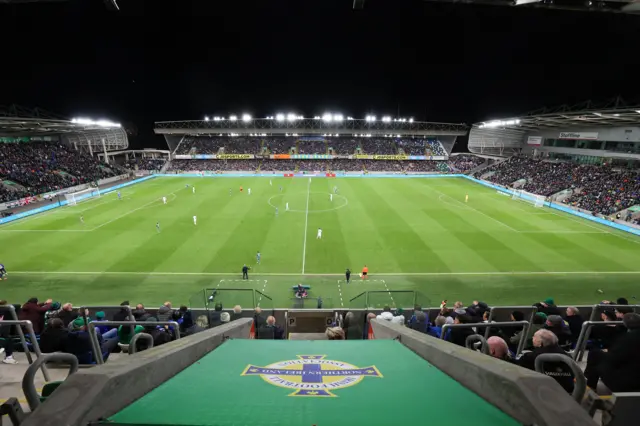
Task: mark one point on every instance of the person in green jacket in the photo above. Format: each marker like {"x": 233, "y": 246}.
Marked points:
{"x": 125, "y": 335}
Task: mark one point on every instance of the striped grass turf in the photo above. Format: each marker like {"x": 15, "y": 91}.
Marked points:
{"x": 413, "y": 233}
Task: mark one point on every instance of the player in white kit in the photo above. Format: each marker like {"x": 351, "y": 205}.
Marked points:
{"x": 287, "y": 207}
{"x": 164, "y": 200}
{"x": 330, "y": 197}
{"x": 195, "y": 220}
{"x": 194, "y": 189}
{"x": 319, "y": 234}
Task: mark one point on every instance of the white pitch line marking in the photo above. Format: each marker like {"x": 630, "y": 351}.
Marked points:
{"x": 288, "y": 274}
{"x": 306, "y": 222}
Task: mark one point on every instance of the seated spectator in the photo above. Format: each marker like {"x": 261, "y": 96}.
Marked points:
{"x": 387, "y": 315}
{"x": 436, "y": 330}
{"x": 270, "y": 330}
{"x": 34, "y": 312}
{"x": 545, "y": 342}
{"x": 54, "y": 336}
{"x": 139, "y": 312}
{"x": 458, "y": 335}
{"x": 548, "y": 307}
{"x": 498, "y": 348}
{"x": 301, "y": 292}
{"x": 605, "y": 336}
{"x": 78, "y": 343}
{"x": 107, "y": 332}
{"x": 574, "y": 319}
{"x": 419, "y": 321}
{"x": 123, "y": 313}
{"x": 538, "y": 322}
{"x": 335, "y": 333}
{"x": 557, "y": 326}
{"x": 165, "y": 312}
{"x": 619, "y": 368}
{"x": 237, "y": 313}
{"x": 125, "y": 335}
{"x": 215, "y": 316}
{"x": 160, "y": 334}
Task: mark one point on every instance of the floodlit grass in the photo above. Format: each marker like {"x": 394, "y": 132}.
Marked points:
{"x": 414, "y": 234}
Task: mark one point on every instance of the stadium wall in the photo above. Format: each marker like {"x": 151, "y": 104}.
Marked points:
{"x": 64, "y": 202}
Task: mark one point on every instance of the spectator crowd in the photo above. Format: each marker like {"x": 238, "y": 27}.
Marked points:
{"x": 42, "y": 167}
{"x": 463, "y": 163}
{"x": 145, "y": 163}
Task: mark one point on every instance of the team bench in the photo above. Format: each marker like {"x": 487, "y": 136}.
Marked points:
{"x": 306, "y": 287}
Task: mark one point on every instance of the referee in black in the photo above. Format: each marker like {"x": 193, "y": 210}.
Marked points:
{"x": 245, "y": 272}
{"x": 347, "y": 275}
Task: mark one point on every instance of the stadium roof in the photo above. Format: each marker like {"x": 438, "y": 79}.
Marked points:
{"x": 293, "y": 125}
{"x": 610, "y": 6}
{"x": 20, "y": 121}
{"x": 583, "y": 115}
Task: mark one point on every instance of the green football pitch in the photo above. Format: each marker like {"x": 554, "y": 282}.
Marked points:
{"x": 413, "y": 233}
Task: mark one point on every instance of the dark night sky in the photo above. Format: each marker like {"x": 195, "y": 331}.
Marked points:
{"x": 160, "y": 60}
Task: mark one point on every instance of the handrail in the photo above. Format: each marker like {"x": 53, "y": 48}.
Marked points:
{"x": 34, "y": 342}
{"x": 134, "y": 340}
{"x": 28, "y": 385}
{"x": 580, "y": 386}
{"x": 476, "y": 338}
{"x": 491, "y": 308}
{"x": 523, "y": 336}
{"x": 14, "y": 317}
{"x": 93, "y": 336}
{"x": 581, "y": 343}
{"x": 286, "y": 325}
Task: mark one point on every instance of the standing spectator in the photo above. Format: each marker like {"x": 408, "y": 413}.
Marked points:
{"x": 619, "y": 368}
{"x": 258, "y": 318}
{"x": 545, "y": 342}
{"x": 604, "y": 337}
{"x": 123, "y": 313}
{"x": 270, "y": 330}
{"x": 237, "y": 313}
{"x": 245, "y": 272}
{"x": 34, "y": 312}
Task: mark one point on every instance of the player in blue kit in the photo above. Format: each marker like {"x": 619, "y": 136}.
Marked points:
{"x": 258, "y": 258}
{"x": 119, "y": 196}
{"x": 3, "y": 272}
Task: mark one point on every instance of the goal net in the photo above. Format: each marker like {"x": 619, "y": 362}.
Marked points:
{"x": 74, "y": 198}
{"x": 536, "y": 200}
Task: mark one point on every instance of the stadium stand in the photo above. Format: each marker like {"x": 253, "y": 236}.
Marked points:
{"x": 45, "y": 166}
{"x": 343, "y": 146}
{"x": 605, "y": 191}
{"x": 464, "y": 163}
{"x": 145, "y": 163}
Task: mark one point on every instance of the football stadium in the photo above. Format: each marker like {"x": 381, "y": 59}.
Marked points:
{"x": 309, "y": 229}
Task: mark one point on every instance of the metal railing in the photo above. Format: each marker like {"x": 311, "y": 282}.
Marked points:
{"x": 93, "y": 335}
{"x": 474, "y": 339}
{"x": 583, "y": 338}
{"x": 14, "y": 317}
{"x": 134, "y": 341}
{"x": 597, "y": 309}
{"x": 580, "y": 386}
{"x": 492, "y": 309}
{"x": 523, "y": 336}
{"x": 34, "y": 342}
{"x": 28, "y": 386}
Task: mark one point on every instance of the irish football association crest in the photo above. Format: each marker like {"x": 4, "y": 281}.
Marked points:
{"x": 312, "y": 375}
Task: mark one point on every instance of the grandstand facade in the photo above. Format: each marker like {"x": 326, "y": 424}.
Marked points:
{"x": 586, "y": 134}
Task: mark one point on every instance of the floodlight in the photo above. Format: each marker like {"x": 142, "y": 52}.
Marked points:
{"x": 349, "y": 118}
{"x": 291, "y": 117}
{"x": 327, "y": 118}
{"x": 206, "y": 118}
{"x": 246, "y": 118}
{"x": 638, "y": 111}
{"x": 317, "y": 117}
{"x": 336, "y": 135}
{"x": 386, "y": 119}
{"x": 338, "y": 117}
{"x": 411, "y": 120}
{"x": 233, "y": 117}
{"x": 280, "y": 117}
{"x": 300, "y": 117}
{"x": 397, "y": 136}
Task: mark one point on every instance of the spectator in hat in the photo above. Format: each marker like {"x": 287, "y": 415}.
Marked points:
{"x": 225, "y": 317}
{"x": 545, "y": 342}
{"x": 34, "y": 312}
{"x": 548, "y": 307}
{"x": 52, "y": 312}
{"x": 619, "y": 368}
{"x": 107, "y": 332}
{"x": 557, "y": 326}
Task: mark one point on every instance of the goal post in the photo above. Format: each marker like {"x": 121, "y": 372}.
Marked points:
{"x": 536, "y": 200}
{"x": 74, "y": 198}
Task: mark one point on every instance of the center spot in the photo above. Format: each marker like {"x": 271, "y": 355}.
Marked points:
{"x": 319, "y": 202}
